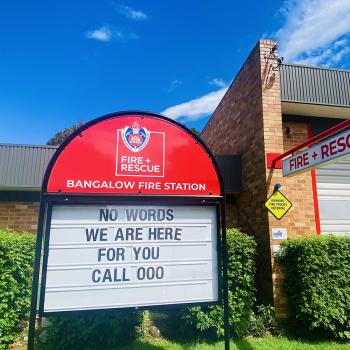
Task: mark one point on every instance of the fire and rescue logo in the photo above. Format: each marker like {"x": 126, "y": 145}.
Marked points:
{"x": 135, "y": 138}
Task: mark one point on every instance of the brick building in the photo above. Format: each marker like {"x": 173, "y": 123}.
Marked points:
{"x": 22, "y": 169}
{"x": 270, "y": 108}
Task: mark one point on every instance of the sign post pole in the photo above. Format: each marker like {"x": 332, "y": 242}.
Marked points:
{"x": 225, "y": 277}
{"x": 36, "y": 272}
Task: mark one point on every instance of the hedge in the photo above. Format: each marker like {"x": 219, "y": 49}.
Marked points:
{"x": 241, "y": 272}
{"x": 16, "y": 262}
{"x": 89, "y": 332}
{"x": 317, "y": 283}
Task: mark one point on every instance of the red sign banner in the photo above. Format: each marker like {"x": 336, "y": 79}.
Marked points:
{"x": 133, "y": 153}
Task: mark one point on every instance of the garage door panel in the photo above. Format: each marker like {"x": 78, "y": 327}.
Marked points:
{"x": 335, "y": 227}
{"x": 334, "y": 209}
{"x": 336, "y": 233}
{"x": 334, "y": 172}
{"x": 333, "y": 186}
{"x": 330, "y": 195}
{"x": 339, "y": 163}
{"x": 333, "y": 190}
{"x": 329, "y": 180}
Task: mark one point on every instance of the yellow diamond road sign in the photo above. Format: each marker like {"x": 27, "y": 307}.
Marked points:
{"x": 278, "y": 205}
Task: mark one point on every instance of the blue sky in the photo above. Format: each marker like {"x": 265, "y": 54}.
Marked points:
{"x": 71, "y": 61}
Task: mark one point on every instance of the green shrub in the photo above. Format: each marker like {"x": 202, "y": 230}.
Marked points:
{"x": 263, "y": 322}
{"x": 317, "y": 283}
{"x": 16, "y": 261}
{"x": 241, "y": 269}
{"x": 99, "y": 330}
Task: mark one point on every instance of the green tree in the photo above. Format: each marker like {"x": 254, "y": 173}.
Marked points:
{"x": 195, "y": 131}
{"x": 62, "y": 135}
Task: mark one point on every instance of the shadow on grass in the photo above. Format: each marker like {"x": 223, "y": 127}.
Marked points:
{"x": 144, "y": 345}
{"x": 168, "y": 323}
{"x": 173, "y": 327}
{"x": 243, "y": 344}
{"x": 137, "y": 345}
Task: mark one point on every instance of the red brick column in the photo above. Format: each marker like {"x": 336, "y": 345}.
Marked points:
{"x": 237, "y": 127}
{"x": 300, "y": 220}
{"x": 248, "y": 121}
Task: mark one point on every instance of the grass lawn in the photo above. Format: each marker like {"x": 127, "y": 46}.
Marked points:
{"x": 266, "y": 343}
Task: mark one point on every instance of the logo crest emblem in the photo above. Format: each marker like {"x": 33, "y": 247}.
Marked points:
{"x": 134, "y": 137}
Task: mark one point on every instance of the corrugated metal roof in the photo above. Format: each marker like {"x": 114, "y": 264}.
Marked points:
{"x": 23, "y": 166}
{"x": 315, "y": 85}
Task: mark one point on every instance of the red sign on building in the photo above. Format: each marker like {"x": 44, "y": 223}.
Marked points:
{"x": 134, "y": 154}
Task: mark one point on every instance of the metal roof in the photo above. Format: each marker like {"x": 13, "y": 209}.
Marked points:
{"x": 23, "y": 166}
{"x": 315, "y": 85}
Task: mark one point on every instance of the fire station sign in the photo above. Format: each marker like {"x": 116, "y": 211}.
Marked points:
{"x": 134, "y": 155}
{"x": 323, "y": 152}
{"x": 130, "y": 217}
{"x": 278, "y": 205}
{"x": 117, "y": 256}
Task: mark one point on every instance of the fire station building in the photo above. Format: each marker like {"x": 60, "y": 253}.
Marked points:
{"x": 268, "y": 109}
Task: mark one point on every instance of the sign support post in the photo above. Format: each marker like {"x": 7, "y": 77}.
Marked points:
{"x": 130, "y": 216}
{"x": 36, "y": 272}
{"x": 225, "y": 277}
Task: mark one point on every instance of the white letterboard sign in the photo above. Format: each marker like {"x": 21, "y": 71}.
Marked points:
{"x": 119, "y": 256}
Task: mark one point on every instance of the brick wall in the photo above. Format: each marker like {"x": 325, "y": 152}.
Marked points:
{"x": 301, "y": 217}
{"x": 231, "y": 212}
{"x": 248, "y": 121}
{"x": 300, "y": 220}
{"x": 273, "y": 142}
{"x": 21, "y": 216}
{"x": 237, "y": 127}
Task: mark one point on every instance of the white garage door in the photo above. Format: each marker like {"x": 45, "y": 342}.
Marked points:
{"x": 333, "y": 189}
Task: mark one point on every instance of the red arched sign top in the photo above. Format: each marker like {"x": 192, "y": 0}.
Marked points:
{"x": 133, "y": 153}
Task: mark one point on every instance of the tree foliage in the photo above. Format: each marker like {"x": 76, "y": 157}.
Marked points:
{"x": 62, "y": 135}
{"x": 195, "y": 131}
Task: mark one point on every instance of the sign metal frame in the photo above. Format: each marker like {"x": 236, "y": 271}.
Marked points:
{"x": 48, "y": 200}
{"x": 212, "y": 202}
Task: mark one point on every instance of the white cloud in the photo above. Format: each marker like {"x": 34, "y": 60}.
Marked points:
{"x": 174, "y": 84}
{"x": 197, "y": 108}
{"x": 130, "y": 13}
{"x": 125, "y": 36}
{"x": 101, "y": 34}
{"x": 106, "y": 34}
{"x": 340, "y": 54}
{"x": 315, "y": 31}
{"x": 218, "y": 82}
